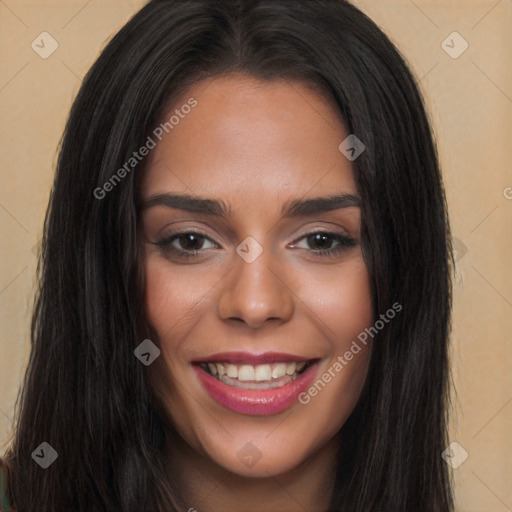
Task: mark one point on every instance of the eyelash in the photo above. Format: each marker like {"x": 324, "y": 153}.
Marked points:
{"x": 344, "y": 242}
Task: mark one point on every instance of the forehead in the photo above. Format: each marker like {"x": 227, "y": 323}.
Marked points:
{"x": 268, "y": 138}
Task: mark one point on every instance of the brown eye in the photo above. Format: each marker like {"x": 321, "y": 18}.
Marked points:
{"x": 321, "y": 243}
{"x": 190, "y": 241}
{"x": 184, "y": 245}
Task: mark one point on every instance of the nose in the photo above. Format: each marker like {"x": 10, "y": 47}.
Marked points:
{"x": 255, "y": 293}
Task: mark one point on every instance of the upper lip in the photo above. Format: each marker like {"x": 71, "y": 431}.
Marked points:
{"x": 253, "y": 359}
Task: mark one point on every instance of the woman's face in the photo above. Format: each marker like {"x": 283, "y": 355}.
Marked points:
{"x": 236, "y": 277}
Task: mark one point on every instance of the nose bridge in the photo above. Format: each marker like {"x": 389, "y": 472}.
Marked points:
{"x": 255, "y": 291}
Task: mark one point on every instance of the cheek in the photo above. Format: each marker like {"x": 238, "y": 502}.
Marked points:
{"x": 341, "y": 298}
{"x": 174, "y": 300}
{"x": 173, "y": 294}
{"x": 342, "y": 301}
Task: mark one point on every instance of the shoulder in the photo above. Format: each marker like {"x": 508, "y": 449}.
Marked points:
{"x": 6, "y": 497}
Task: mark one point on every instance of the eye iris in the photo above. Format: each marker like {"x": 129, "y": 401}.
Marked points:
{"x": 190, "y": 241}
{"x": 320, "y": 239}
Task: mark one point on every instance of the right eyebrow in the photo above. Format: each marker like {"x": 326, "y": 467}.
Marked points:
{"x": 189, "y": 203}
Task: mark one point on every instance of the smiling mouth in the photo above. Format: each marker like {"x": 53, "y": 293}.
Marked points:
{"x": 261, "y": 376}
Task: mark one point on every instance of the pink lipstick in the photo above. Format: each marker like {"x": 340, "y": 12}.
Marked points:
{"x": 262, "y": 384}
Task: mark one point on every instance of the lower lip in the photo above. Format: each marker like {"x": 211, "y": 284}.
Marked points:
{"x": 257, "y": 402}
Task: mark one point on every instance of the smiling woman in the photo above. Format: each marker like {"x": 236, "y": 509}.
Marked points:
{"x": 244, "y": 336}
{"x": 255, "y": 315}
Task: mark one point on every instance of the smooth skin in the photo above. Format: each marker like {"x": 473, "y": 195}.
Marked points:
{"x": 255, "y": 146}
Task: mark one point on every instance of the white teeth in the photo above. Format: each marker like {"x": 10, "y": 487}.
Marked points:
{"x": 268, "y": 384}
{"x": 245, "y": 372}
{"x": 290, "y": 368}
{"x": 262, "y": 372}
{"x": 255, "y": 373}
{"x": 279, "y": 370}
{"x": 232, "y": 371}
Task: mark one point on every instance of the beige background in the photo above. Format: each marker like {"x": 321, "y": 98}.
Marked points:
{"x": 470, "y": 100}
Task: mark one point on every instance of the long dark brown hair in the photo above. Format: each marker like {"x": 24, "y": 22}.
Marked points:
{"x": 84, "y": 391}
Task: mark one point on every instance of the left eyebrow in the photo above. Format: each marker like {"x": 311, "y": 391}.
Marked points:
{"x": 304, "y": 207}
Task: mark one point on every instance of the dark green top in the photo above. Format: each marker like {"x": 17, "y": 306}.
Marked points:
{"x": 6, "y": 497}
